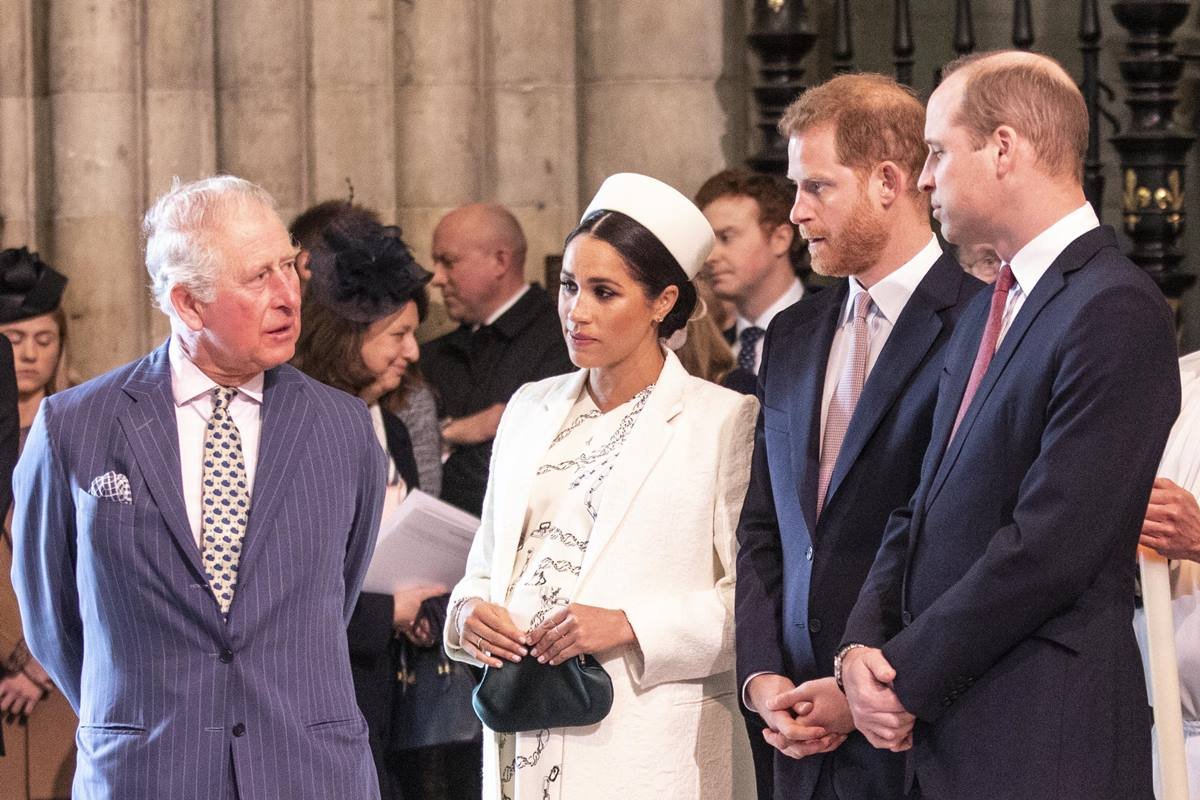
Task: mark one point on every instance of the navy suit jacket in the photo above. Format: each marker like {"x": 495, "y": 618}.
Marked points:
{"x": 1003, "y": 593}
{"x": 173, "y": 700}
{"x": 798, "y": 576}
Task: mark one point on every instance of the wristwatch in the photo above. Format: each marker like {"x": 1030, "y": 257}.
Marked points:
{"x": 837, "y": 663}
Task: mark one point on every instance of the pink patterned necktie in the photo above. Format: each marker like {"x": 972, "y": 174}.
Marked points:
{"x": 845, "y": 394}
{"x": 987, "y": 344}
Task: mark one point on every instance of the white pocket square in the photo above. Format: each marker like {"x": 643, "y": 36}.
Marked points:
{"x": 111, "y": 486}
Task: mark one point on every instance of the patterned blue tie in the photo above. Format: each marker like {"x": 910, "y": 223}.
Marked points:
{"x": 226, "y": 499}
{"x": 749, "y": 344}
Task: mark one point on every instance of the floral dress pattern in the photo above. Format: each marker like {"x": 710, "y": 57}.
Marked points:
{"x": 562, "y": 509}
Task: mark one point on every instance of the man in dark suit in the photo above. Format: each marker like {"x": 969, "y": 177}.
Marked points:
{"x": 848, "y": 384}
{"x": 509, "y": 335}
{"x": 752, "y": 265}
{"x": 992, "y": 637}
{"x": 191, "y": 531}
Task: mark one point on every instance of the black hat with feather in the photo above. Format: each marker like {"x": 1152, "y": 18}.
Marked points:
{"x": 29, "y": 287}
{"x": 364, "y": 271}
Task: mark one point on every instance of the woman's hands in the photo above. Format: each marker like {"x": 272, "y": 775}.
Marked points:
{"x": 487, "y": 633}
{"x": 578, "y": 629}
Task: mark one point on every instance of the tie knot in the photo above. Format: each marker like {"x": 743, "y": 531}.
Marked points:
{"x": 1005, "y": 279}
{"x": 222, "y": 397}
{"x": 750, "y": 335}
{"x": 862, "y": 305}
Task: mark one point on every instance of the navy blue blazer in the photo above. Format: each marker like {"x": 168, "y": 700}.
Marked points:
{"x": 1003, "y": 593}
{"x": 798, "y": 576}
{"x": 173, "y": 700}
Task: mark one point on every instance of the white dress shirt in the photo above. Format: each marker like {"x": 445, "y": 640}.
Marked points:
{"x": 890, "y": 296}
{"x": 192, "y": 390}
{"x": 509, "y": 303}
{"x": 1031, "y": 261}
{"x": 792, "y": 295}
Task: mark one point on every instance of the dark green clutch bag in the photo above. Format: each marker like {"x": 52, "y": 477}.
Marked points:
{"x": 528, "y": 696}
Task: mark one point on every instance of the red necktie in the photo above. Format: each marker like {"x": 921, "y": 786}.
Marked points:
{"x": 987, "y": 345}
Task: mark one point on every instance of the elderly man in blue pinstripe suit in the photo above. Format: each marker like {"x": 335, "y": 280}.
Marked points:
{"x": 192, "y": 530}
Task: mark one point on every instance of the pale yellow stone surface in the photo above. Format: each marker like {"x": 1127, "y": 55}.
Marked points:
{"x": 424, "y": 106}
{"x": 108, "y": 307}
{"x": 670, "y": 132}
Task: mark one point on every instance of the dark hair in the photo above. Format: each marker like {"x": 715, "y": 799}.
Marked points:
{"x": 311, "y": 223}
{"x": 330, "y": 345}
{"x": 773, "y": 194}
{"x": 648, "y": 259}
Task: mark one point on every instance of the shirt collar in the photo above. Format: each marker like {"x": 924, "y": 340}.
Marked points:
{"x": 1031, "y": 261}
{"x": 792, "y": 295}
{"x": 508, "y": 304}
{"x": 188, "y": 382}
{"x": 891, "y": 293}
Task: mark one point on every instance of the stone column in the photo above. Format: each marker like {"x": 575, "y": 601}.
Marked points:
{"x": 95, "y": 115}
{"x": 23, "y": 120}
{"x": 438, "y": 114}
{"x": 654, "y": 92}
{"x": 352, "y": 131}
{"x": 262, "y": 96}
{"x": 180, "y": 103}
{"x": 533, "y": 133}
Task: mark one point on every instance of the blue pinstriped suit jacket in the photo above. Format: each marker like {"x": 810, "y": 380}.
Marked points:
{"x": 174, "y": 702}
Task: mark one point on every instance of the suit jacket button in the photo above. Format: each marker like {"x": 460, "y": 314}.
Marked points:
{"x": 808, "y": 553}
{"x": 226, "y": 655}
{"x": 906, "y": 617}
{"x": 239, "y": 729}
{"x": 814, "y": 625}
{"x": 947, "y": 702}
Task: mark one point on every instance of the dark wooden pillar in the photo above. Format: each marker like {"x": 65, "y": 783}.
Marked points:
{"x": 781, "y": 37}
{"x": 902, "y": 41}
{"x": 1022, "y": 36}
{"x": 1089, "y": 44}
{"x": 843, "y": 38}
{"x": 1153, "y": 149}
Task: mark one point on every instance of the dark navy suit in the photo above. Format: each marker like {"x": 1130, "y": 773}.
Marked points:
{"x": 798, "y": 576}
{"x": 174, "y": 701}
{"x": 1003, "y": 594}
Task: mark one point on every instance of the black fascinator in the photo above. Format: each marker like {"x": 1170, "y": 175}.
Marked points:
{"x": 364, "y": 271}
{"x": 29, "y": 287}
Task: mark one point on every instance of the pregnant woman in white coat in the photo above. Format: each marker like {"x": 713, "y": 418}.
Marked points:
{"x": 608, "y": 526}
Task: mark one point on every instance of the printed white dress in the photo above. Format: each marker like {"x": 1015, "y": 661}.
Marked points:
{"x": 562, "y": 509}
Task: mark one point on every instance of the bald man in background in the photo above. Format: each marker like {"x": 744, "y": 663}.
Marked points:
{"x": 508, "y": 335}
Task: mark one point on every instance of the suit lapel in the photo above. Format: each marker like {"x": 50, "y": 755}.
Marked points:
{"x": 512, "y": 480}
{"x": 914, "y": 333}
{"x": 1078, "y": 253}
{"x": 809, "y": 346}
{"x": 286, "y": 423}
{"x": 641, "y": 451}
{"x": 150, "y": 427}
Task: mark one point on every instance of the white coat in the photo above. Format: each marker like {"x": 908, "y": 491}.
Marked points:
{"x": 662, "y": 549}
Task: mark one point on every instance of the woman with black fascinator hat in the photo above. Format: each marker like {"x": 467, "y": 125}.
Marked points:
{"x": 39, "y": 725}
{"x": 363, "y": 301}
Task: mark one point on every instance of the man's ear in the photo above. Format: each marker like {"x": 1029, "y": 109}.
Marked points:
{"x": 503, "y": 259}
{"x": 891, "y": 181}
{"x": 1005, "y": 140}
{"x": 187, "y": 307}
{"x": 780, "y": 239}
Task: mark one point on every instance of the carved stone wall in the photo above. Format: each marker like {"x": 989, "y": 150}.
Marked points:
{"x": 421, "y": 105}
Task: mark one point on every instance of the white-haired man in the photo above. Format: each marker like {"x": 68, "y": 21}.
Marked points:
{"x": 192, "y": 530}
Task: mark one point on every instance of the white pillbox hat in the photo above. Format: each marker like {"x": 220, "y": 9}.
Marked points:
{"x": 664, "y": 211}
